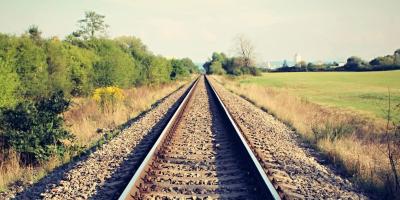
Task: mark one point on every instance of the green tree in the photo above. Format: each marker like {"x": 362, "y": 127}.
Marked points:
{"x": 30, "y": 62}
{"x": 81, "y": 62}
{"x": 8, "y": 48}
{"x": 397, "y": 57}
{"x": 182, "y": 68}
{"x": 114, "y": 66}
{"x": 216, "y": 68}
{"x": 160, "y": 70}
{"x": 34, "y": 33}
{"x": 92, "y": 25}
{"x": 178, "y": 69}
{"x": 8, "y": 83}
{"x": 383, "y": 60}
{"x": 141, "y": 57}
{"x": 58, "y": 67}
{"x": 354, "y": 63}
{"x": 285, "y": 64}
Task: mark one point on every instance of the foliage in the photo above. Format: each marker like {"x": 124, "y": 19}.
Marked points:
{"x": 38, "y": 74}
{"x": 216, "y": 68}
{"x": 221, "y": 64}
{"x": 34, "y": 33}
{"x": 182, "y": 68}
{"x": 91, "y": 25}
{"x": 35, "y": 129}
{"x": 30, "y": 64}
{"x": 159, "y": 70}
{"x": 108, "y": 97}
{"x": 80, "y": 61}
{"x": 8, "y": 83}
{"x": 355, "y": 62}
{"x": 242, "y": 63}
{"x": 114, "y": 66}
{"x": 385, "y": 60}
{"x": 57, "y": 66}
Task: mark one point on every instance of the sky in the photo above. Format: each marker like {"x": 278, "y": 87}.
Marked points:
{"x": 319, "y": 30}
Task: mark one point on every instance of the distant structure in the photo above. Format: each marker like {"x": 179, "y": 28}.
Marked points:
{"x": 269, "y": 65}
{"x": 341, "y": 64}
{"x": 297, "y": 59}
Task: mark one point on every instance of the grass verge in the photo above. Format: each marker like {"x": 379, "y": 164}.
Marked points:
{"x": 353, "y": 141}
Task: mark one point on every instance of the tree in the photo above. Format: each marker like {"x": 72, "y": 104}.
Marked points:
{"x": 57, "y": 66}
{"x": 34, "y": 33}
{"x": 354, "y": 63}
{"x": 80, "y": 62}
{"x": 397, "y": 57}
{"x": 383, "y": 60}
{"x": 8, "y": 83}
{"x": 30, "y": 62}
{"x": 182, "y": 68}
{"x": 245, "y": 50}
{"x": 216, "y": 68}
{"x": 302, "y": 64}
{"x": 114, "y": 66}
{"x": 91, "y": 25}
{"x": 160, "y": 70}
{"x": 285, "y": 64}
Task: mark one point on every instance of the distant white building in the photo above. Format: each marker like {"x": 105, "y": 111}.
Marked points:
{"x": 297, "y": 59}
{"x": 269, "y": 65}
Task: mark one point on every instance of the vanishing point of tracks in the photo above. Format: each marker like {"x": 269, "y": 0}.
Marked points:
{"x": 200, "y": 154}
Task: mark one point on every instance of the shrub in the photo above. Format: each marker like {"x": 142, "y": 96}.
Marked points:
{"x": 331, "y": 131}
{"x": 35, "y": 129}
{"x": 108, "y": 97}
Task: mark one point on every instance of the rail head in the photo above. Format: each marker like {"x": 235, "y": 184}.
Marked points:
{"x": 149, "y": 157}
{"x": 274, "y": 194}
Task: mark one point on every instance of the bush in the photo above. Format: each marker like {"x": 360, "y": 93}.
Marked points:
{"x": 35, "y": 129}
{"x": 108, "y": 97}
{"x": 331, "y": 131}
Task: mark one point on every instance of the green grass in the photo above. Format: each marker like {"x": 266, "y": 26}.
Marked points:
{"x": 366, "y": 92}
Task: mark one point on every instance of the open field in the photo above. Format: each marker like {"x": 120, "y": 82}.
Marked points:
{"x": 366, "y": 92}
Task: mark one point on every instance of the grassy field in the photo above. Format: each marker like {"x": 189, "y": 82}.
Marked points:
{"x": 363, "y": 91}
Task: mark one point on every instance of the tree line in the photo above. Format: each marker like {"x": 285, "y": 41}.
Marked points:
{"x": 242, "y": 63}
{"x": 39, "y": 75}
{"x": 353, "y": 63}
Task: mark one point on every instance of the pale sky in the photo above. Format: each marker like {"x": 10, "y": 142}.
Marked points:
{"x": 316, "y": 29}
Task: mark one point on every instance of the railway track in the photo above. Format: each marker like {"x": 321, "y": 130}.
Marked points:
{"x": 200, "y": 154}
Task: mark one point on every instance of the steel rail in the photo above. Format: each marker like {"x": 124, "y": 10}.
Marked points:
{"x": 136, "y": 179}
{"x": 266, "y": 191}
{"x": 269, "y": 189}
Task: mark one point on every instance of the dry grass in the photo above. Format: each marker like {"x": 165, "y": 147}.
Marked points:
{"x": 85, "y": 116}
{"x": 11, "y": 170}
{"x": 83, "y": 119}
{"x": 353, "y": 141}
